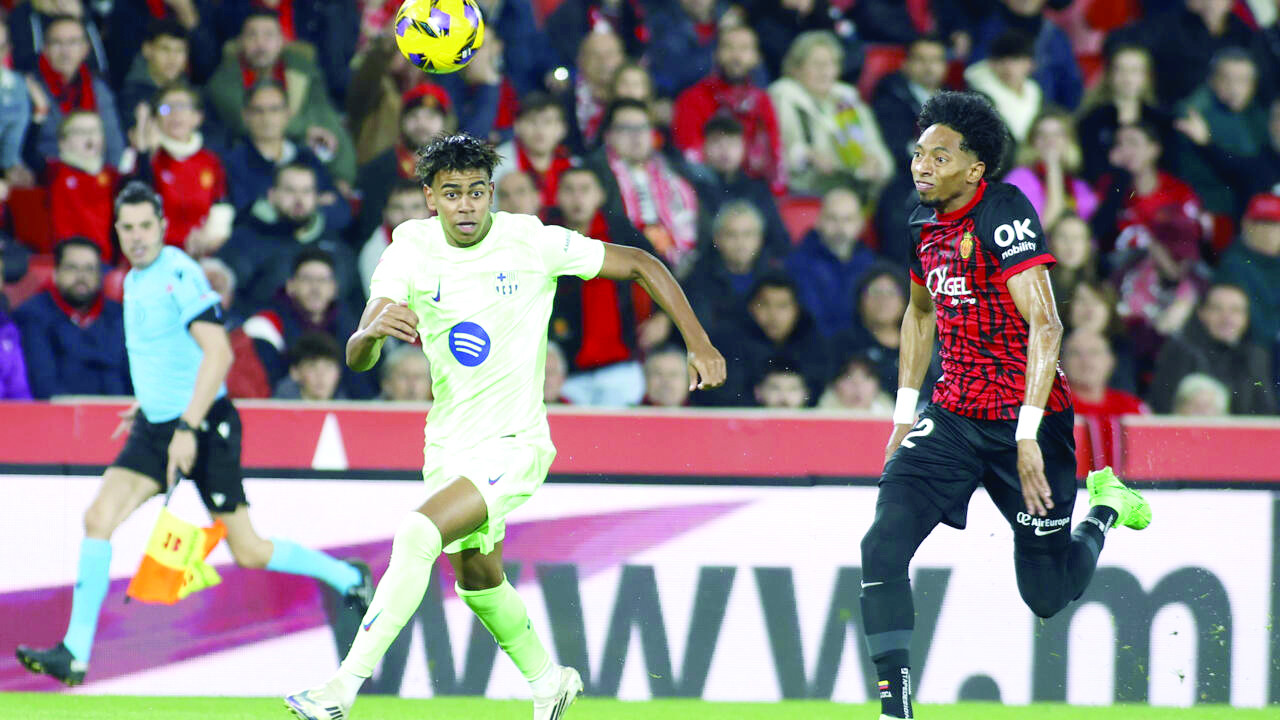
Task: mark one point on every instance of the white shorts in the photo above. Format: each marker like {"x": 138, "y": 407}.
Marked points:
{"x": 506, "y": 471}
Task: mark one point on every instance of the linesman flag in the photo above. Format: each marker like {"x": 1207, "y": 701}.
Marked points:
{"x": 173, "y": 565}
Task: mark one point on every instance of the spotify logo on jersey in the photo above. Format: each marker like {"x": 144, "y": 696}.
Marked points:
{"x": 469, "y": 343}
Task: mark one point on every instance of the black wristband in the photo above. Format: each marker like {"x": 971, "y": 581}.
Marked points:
{"x": 182, "y": 425}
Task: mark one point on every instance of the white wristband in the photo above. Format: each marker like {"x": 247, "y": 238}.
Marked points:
{"x": 904, "y": 411}
{"x": 1028, "y": 422}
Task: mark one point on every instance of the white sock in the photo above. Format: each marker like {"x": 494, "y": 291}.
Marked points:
{"x": 547, "y": 682}
{"x": 347, "y": 685}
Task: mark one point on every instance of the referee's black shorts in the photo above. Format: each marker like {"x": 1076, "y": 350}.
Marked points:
{"x": 217, "y": 471}
{"x": 946, "y": 456}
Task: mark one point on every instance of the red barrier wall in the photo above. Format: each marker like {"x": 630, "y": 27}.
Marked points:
{"x": 281, "y": 435}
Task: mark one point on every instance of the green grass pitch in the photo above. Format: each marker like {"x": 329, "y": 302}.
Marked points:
{"x": 36, "y": 706}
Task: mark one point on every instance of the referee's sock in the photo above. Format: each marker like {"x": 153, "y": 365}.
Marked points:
{"x": 888, "y": 617}
{"x": 92, "y": 580}
{"x": 288, "y": 556}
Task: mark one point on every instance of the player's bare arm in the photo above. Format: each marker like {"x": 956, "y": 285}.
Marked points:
{"x": 1033, "y": 295}
{"x": 383, "y": 318}
{"x": 216, "y": 362}
{"x": 916, "y": 348}
{"x": 706, "y": 364}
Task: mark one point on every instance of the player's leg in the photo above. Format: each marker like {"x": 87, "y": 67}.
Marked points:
{"x": 122, "y": 491}
{"x": 928, "y": 480}
{"x": 483, "y": 586}
{"x": 282, "y": 555}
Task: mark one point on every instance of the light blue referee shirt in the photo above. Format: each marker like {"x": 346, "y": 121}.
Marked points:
{"x": 160, "y": 300}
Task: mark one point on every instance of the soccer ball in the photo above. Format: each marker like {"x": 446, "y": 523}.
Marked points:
{"x": 439, "y": 36}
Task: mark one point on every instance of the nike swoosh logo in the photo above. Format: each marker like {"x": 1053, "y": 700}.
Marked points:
{"x": 437, "y": 297}
{"x": 493, "y": 481}
{"x": 371, "y": 621}
{"x": 1042, "y": 531}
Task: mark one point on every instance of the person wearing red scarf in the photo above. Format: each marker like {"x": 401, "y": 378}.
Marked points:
{"x": 72, "y": 336}
{"x": 538, "y": 146}
{"x": 730, "y": 89}
{"x": 1089, "y": 363}
{"x": 69, "y": 85}
{"x": 81, "y": 185}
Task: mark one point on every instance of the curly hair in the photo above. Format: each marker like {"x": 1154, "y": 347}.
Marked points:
{"x": 982, "y": 131}
{"x": 455, "y": 152}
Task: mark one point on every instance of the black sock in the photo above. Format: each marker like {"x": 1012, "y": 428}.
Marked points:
{"x": 894, "y": 684}
{"x": 1086, "y": 545}
{"x": 1093, "y": 529}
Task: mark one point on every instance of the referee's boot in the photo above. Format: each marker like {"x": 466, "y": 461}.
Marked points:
{"x": 57, "y": 662}
{"x": 1132, "y": 510}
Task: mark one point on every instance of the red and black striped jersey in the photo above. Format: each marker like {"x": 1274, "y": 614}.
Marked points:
{"x": 964, "y": 258}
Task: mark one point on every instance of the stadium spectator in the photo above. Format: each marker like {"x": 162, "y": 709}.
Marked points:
{"x": 666, "y": 378}
{"x": 260, "y": 54}
{"x": 1005, "y": 77}
{"x": 1253, "y": 263}
{"x": 538, "y": 146}
{"x": 405, "y": 375}
{"x": 1223, "y": 114}
{"x": 1077, "y": 259}
{"x": 719, "y": 282}
{"x": 1244, "y": 175}
{"x": 483, "y": 96}
{"x": 731, "y": 89}
{"x": 645, "y": 186}
{"x": 1091, "y": 306}
{"x": 162, "y": 62}
{"x": 13, "y": 366}
{"x": 857, "y": 387}
{"x": 1266, "y": 50}
{"x": 780, "y": 22}
{"x": 1137, "y": 194}
{"x": 1215, "y": 343}
{"x": 781, "y": 386}
{"x": 830, "y": 137}
{"x": 1126, "y": 95}
{"x": 720, "y": 180}
{"x": 252, "y": 163}
{"x": 15, "y": 116}
{"x": 881, "y": 299}
{"x": 595, "y": 321}
{"x": 682, "y": 49}
{"x": 178, "y": 30}
{"x": 1056, "y": 70}
{"x": 81, "y": 183}
{"x": 425, "y": 111}
{"x": 899, "y": 96}
{"x": 1089, "y": 364}
{"x": 315, "y": 368}
{"x": 1047, "y": 169}
{"x": 575, "y": 21}
{"x": 29, "y": 26}
{"x": 1201, "y": 395}
{"x": 554, "y": 375}
{"x": 1183, "y": 40}
{"x": 528, "y": 56}
{"x": 406, "y": 202}
{"x": 775, "y": 330}
{"x": 189, "y": 178}
{"x": 830, "y": 261}
{"x": 598, "y": 59}
{"x": 381, "y": 80}
{"x": 72, "y": 336}
{"x": 268, "y": 237}
{"x": 63, "y": 83}
{"x": 517, "y": 192}
{"x": 247, "y": 378}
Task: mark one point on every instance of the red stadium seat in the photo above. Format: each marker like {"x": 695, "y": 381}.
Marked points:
{"x": 881, "y": 60}
{"x": 799, "y": 214}
{"x": 32, "y": 224}
{"x": 39, "y": 276}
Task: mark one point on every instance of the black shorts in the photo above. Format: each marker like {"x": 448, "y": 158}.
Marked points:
{"x": 946, "y": 456}
{"x": 217, "y": 468}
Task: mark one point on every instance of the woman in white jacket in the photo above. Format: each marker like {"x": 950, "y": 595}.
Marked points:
{"x": 829, "y": 135}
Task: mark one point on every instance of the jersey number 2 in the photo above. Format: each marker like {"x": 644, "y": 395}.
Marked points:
{"x": 922, "y": 428}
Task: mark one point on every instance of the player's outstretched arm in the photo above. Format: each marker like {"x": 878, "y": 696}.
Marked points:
{"x": 916, "y": 348}
{"x": 706, "y": 364}
{"x": 1033, "y": 296}
{"x": 383, "y": 318}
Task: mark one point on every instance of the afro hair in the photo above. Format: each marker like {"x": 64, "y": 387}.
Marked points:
{"x": 982, "y": 131}
{"x": 455, "y": 152}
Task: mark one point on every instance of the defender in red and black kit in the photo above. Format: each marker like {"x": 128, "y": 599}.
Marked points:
{"x": 1001, "y": 413}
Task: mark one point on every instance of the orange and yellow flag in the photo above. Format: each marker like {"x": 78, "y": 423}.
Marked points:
{"x": 173, "y": 566}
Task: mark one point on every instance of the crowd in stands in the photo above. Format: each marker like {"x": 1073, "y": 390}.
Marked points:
{"x": 759, "y": 147}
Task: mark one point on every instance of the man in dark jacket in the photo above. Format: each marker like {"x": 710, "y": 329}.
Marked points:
{"x": 188, "y": 20}
{"x": 1056, "y": 69}
{"x": 1214, "y": 343}
{"x": 73, "y": 337}
{"x": 830, "y": 262}
{"x": 720, "y": 179}
{"x": 899, "y": 96}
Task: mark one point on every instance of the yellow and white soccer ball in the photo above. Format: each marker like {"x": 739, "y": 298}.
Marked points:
{"x": 439, "y": 36}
